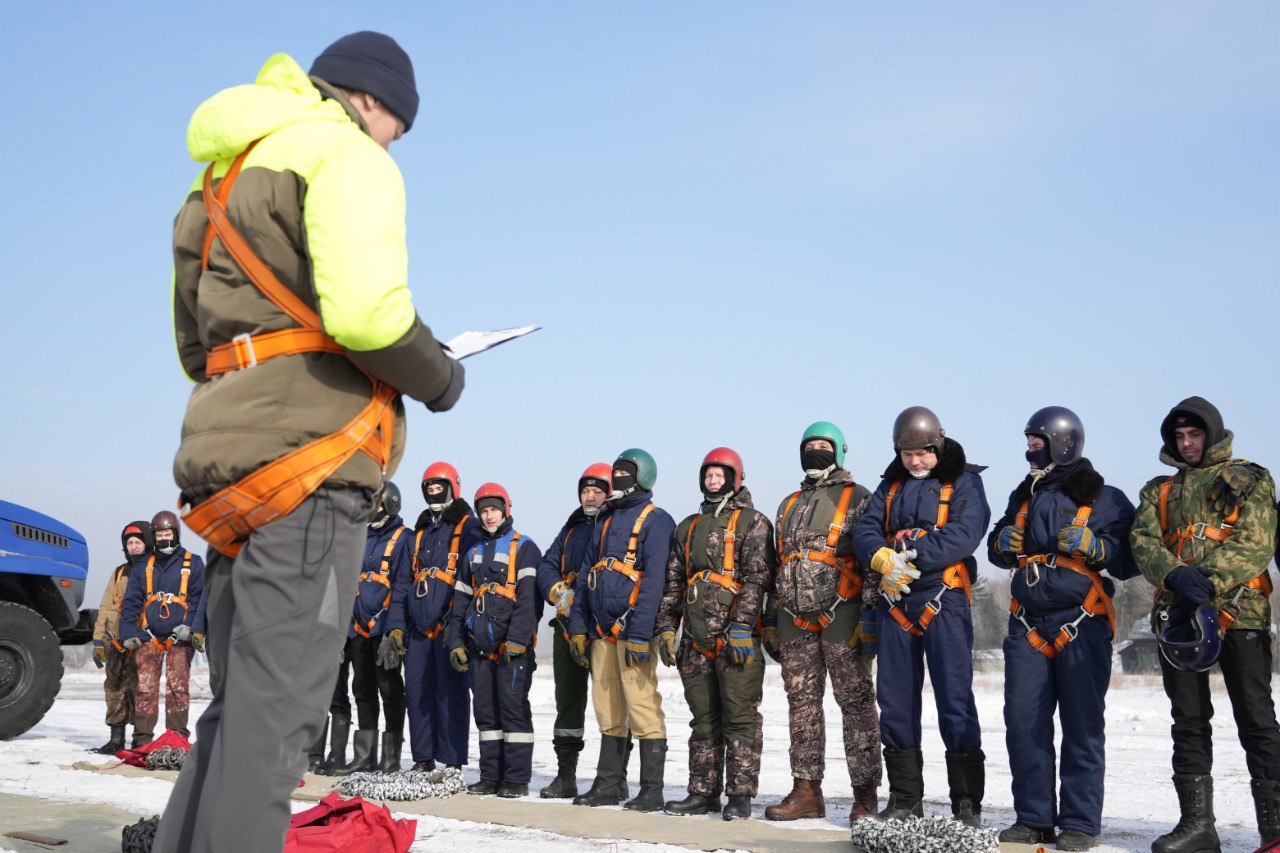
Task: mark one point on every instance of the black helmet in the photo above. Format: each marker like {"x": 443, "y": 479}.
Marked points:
{"x": 1192, "y": 644}
{"x": 918, "y": 428}
{"x": 165, "y": 520}
{"x": 1062, "y": 429}
{"x": 390, "y": 498}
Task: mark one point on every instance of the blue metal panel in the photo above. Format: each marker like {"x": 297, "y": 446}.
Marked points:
{"x": 32, "y": 543}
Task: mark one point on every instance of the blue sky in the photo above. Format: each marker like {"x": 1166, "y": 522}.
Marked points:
{"x": 731, "y": 218}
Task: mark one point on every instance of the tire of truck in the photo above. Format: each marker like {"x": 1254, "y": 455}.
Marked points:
{"x": 30, "y": 668}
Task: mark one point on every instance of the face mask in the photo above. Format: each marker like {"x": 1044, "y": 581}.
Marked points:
{"x": 167, "y": 548}
{"x": 591, "y": 511}
{"x": 920, "y": 475}
{"x": 1039, "y": 458}
{"x": 815, "y": 462}
{"x": 382, "y": 519}
{"x": 440, "y": 507}
{"x": 622, "y": 484}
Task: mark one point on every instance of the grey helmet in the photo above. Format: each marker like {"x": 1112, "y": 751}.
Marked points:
{"x": 918, "y": 428}
{"x": 1062, "y": 429}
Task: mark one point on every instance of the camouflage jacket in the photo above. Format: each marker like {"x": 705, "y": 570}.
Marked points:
{"x": 755, "y": 561}
{"x": 1202, "y": 494}
{"x": 798, "y": 531}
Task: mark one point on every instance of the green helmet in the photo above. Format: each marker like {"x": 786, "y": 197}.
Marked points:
{"x": 830, "y": 432}
{"x": 646, "y": 468}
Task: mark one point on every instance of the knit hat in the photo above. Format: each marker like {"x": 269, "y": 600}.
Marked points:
{"x": 371, "y": 62}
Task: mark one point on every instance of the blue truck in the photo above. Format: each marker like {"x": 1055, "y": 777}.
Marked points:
{"x": 43, "y": 568}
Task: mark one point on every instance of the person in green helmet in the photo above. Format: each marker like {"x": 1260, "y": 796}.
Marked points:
{"x": 611, "y": 628}
{"x": 816, "y": 626}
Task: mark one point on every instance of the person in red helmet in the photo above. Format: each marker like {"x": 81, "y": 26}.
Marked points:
{"x": 162, "y": 622}
{"x": 492, "y": 627}
{"x": 438, "y": 696}
{"x": 108, "y": 652}
{"x": 557, "y": 574}
{"x": 719, "y": 571}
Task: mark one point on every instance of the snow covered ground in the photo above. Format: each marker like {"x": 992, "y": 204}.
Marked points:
{"x": 1140, "y": 802}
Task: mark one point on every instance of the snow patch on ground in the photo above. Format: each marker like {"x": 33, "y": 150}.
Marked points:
{"x": 1140, "y": 802}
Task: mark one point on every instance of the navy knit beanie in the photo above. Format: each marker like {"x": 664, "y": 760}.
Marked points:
{"x": 371, "y": 62}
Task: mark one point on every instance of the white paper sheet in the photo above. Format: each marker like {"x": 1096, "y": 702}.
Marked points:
{"x": 470, "y": 343}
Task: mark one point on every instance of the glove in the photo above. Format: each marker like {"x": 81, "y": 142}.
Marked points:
{"x": 578, "y": 650}
{"x": 1234, "y": 487}
{"x": 562, "y": 597}
{"x": 197, "y": 641}
{"x": 667, "y": 646}
{"x": 132, "y": 644}
{"x": 99, "y": 654}
{"x": 864, "y": 635}
{"x": 458, "y": 659}
{"x": 1009, "y": 541}
{"x": 511, "y": 651}
{"x": 1191, "y": 583}
{"x": 882, "y": 560}
{"x": 769, "y": 638}
{"x": 741, "y": 646}
{"x": 457, "y": 379}
{"x": 388, "y": 657}
{"x": 396, "y": 636}
{"x": 897, "y": 581}
{"x": 1077, "y": 539}
{"x": 636, "y": 653}
{"x": 182, "y": 634}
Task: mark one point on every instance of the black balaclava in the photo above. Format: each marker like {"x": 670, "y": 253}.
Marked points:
{"x": 623, "y": 483}
{"x": 817, "y": 459}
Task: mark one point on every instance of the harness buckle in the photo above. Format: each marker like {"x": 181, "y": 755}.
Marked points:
{"x": 1071, "y": 629}
{"x": 1196, "y": 531}
{"x": 245, "y": 341}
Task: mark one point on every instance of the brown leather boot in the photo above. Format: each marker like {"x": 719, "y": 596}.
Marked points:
{"x": 805, "y": 800}
{"x": 865, "y": 803}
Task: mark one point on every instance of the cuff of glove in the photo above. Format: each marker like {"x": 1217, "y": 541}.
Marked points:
{"x": 457, "y": 379}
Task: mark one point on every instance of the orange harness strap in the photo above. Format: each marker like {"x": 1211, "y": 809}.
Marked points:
{"x": 165, "y": 598}
{"x": 507, "y": 591}
{"x": 624, "y": 567}
{"x": 448, "y": 576}
{"x": 849, "y": 583}
{"x": 723, "y": 578}
{"x": 382, "y": 576}
{"x": 227, "y": 519}
{"x": 954, "y": 576}
{"x": 1096, "y": 603}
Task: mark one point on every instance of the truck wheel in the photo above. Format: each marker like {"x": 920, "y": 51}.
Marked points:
{"x": 30, "y": 668}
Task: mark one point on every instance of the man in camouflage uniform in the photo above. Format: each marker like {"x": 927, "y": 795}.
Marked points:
{"x": 820, "y": 598}
{"x": 1207, "y": 535}
{"x": 722, "y": 558}
{"x": 122, "y": 671}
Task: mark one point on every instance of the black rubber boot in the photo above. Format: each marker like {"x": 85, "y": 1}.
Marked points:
{"x": 114, "y": 744}
{"x": 1266, "y": 804}
{"x": 365, "y": 759}
{"x": 905, "y": 769}
{"x": 1074, "y": 839}
{"x": 512, "y": 791}
{"x": 565, "y": 785}
{"x": 738, "y": 807}
{"x": 315, "y": 757}
{"x": 339, "y": 734}
{"x": 966, "y": 776}
{"x": 624, "y": 791}
{"x": 423, "y": 767}
{"x": 653, "y": 761}
{"x": 1020, "y": 833}
{"x": 482, "y": 788}
{"x": 1195, "y": 832}
{"x": 609, "y": 770}
{"x": 693, "y": 804}
{"x": 392, "y": 745}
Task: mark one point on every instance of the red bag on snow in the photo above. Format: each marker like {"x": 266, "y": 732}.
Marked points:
{"x": 350, "y": 826}
{"x": 138, "y": 757}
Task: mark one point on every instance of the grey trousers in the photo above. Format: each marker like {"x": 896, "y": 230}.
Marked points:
{"x": 276, "y": 620}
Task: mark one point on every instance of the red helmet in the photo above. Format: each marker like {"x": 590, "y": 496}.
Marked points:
{"x": 725, "y": 458}
{"x": 599, "y": 475}
{"x": 442, "y": 472}
{"x": 493, "y": 490}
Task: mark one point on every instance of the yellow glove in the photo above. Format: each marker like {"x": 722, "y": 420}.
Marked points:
{"x": 667, "y": 646}
{"x": 897, "y": 581}
{"x": 561, "y": 596}
{"x": 99, "y": 654}
{"x": 397, "y": 641}
{"x": 458, "y": 659}
{"x": 197, "y": 641}
{"x": 882, "y": 560}
{"x": 578, "y": 649}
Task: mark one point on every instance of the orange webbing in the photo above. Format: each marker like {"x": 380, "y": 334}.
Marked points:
{"x": 383, "y": 577}
{"x": 564, "y": 555}
{"x": 791, "y": 501}
{"x": 152, "y": 595}
{"x": 888, "y": 504}
{"x": 247, "y": 352}
{"x": 1176, "y": 539}
{"x": 954, "y": 576}
{"x": 623, "y": 567}
{"x": 723, "y": 578}
{"x": 507, "y": 590}
{"x": 827, "y": 557}
{"x": 226, "y": 519}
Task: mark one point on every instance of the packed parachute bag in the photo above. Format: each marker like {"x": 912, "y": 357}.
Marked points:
{"x": 404, "y": 785}
{"x": 350, "y": 826}
{"x": 922, "y": 835}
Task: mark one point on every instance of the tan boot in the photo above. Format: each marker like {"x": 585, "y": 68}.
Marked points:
{"x": 865, "y": 803}
{"x": 805, "y": 800}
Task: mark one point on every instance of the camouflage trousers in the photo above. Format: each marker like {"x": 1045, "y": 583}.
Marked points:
{"x": 121, "y": 684}
{"x": 806, "y": 659}
{"x": 176, "y": 664}
{"x": 727, "y": 729}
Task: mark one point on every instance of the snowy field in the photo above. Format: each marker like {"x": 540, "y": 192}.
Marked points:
{"x": 1140, "y": 802}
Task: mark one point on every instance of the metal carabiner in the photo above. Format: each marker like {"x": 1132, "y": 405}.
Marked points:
{"x": 420, "y": 588}
{"x": 1033, "y": 574}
